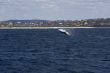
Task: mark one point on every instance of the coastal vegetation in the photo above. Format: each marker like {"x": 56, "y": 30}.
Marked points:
{"x": 99, "y": 22}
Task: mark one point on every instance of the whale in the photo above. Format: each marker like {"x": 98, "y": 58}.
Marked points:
{"x": 64, "y": 31}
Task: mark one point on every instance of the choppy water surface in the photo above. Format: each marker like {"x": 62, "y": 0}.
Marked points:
{"x": 50, "y": 51}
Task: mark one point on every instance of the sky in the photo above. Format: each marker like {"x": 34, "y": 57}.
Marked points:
{"x": 54, "y": 9}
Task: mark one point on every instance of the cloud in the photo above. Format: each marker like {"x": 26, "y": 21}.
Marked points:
{"x": 54, "y": 3}
{"x": 54, "y": 8}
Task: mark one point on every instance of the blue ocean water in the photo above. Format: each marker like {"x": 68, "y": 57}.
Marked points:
{"x": 50, "y": 51}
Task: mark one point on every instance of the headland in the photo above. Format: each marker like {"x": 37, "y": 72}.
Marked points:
{"x": 50, "y": 24}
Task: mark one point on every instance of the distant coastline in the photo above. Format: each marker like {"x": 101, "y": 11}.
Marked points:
{"x": 33, "y": 24}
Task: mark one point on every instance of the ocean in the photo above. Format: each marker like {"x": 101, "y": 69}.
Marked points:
{"x": 86, "y": 50}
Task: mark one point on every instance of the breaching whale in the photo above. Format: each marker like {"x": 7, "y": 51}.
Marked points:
{"x": 64, "y": 31}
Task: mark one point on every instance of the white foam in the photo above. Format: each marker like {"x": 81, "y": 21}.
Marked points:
{"x": 47, "y": 27}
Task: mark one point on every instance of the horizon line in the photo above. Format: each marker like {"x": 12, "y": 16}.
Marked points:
{"x": 56, "y": 19}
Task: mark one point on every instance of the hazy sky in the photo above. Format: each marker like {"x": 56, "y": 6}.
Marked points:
{"x": 54, "y": 9}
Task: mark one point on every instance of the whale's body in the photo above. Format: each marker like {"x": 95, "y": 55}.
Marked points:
{"x": 64, "y": 31}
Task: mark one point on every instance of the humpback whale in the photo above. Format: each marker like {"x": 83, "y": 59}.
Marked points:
{"x": 64, "y": 31}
